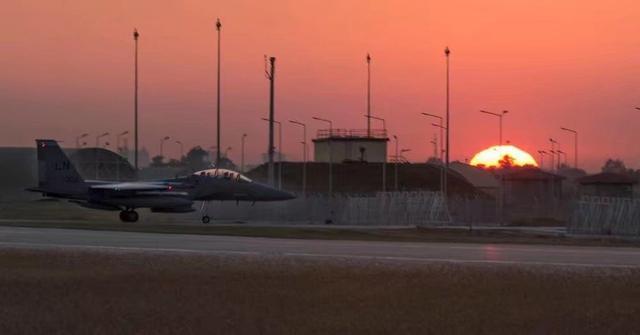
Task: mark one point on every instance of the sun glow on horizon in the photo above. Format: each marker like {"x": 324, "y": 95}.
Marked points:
{"x": 497, "y": 156}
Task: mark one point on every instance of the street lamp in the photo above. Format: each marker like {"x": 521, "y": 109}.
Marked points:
{"x": 447, "y": 52}
{"x": 552, "y": 151}
{"x": 99, "y": 137}
{"x": 96, "y": 150}
{"x": 271, "y": 76}
{"x": 118, "y": 139}
{"x": 162, "y": 145}
{"x": 395, "y": 183}
{"x": 242, "y": 140}
{"x": 575, "y": 145}
{"x": 403, "y": 151}
{"x": 434, "y": 141}
{"x": 226, "y": 152}
{"x": 499, "y": 115}
{"x": 443, "y": 171}
{"x": 304, "y": 155}
{"x": 279, "y": 151}
{"x": 560, "y": 154}
{"x": 218, "y": 28}
{"x": 384, "y": 160}
{"x": 384, "y": 125}
{"x": 330, "y": 152}
{"x": 542, "y": 153}
{"x": 213, "y": 149}
{"x": 135, "y": 99}
{"x": 441, "y": 130}
{"x": 78, "y": 138}
{"x": 181, "y": 149}
{"x": 369, "y": 96}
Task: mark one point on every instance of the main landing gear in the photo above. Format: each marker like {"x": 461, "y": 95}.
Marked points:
{"x": 129, "y": 215}
{"x": 203, "y": 209}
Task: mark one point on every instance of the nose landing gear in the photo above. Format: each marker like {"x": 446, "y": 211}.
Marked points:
{"x": 206, "y": 219}
{"x": 129, "y": 215}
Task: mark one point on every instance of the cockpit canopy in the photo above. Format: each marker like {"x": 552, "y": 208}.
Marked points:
{"x": 223, "y": 173}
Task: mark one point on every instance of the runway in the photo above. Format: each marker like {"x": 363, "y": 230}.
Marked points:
{"x": 19, "y": 237}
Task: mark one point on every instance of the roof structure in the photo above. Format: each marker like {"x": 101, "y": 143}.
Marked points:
{"x": 607, "y": 178}
{"x": 478, "y": 177}
{"x": 530, "y": 174}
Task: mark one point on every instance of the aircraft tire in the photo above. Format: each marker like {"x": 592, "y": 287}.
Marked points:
{"x": 133, "y": 216}
{"x": 129, "y": 216}
{"x": 206, "y": 219}
{"x": 124, "y": 216}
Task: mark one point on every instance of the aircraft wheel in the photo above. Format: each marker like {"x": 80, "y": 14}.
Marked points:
{"x": 129, "y": 216}
{"x": 133, "y": 216}
{"x": 206, "y": 219}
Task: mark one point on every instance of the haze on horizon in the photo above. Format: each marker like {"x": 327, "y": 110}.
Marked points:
{"x": 67, "y": 69}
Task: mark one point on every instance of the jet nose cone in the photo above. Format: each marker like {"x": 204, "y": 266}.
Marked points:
{"x": 267, "y": 193}
{"x": 284, "y": 195}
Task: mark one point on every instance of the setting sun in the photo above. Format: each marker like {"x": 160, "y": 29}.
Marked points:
{"x": 497, "y": 156}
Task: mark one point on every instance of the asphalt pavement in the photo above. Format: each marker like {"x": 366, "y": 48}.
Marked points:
{"x": 20, "y": 237}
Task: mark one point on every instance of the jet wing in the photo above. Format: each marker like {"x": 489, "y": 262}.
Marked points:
{"x": 133, "y": 186}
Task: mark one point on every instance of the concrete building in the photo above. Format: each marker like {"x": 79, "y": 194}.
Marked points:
{"x": 350, "y": 145}
{"x": 607, "y": 184}
{"x": 530, "y": 194}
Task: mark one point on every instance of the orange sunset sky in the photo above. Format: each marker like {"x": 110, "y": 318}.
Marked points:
{"x": 67, "y": 69}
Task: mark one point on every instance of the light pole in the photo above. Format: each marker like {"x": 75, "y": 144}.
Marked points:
{"x": 447, "y": 126}
{"x": 78, "y": 138}
{"x": 441, "y": 130}
{"x": 219, "y": 30}
{"x": 369, "y": 95}
{"x": 162, "y": 145}
{"x": 96, "y": 150}
{"x": 552, "y": 151}
{"x": 384, "y": 160}
{"x": 384, "y": 124}
{"x": 434, "y": 141}
{"x": 242, "y": 140}
{"x": 575, "y": 145}
{"x": 211, "y": 156}
{"x": 120, "y": 151}
{"x": 443, "y": 171}
{"x": 304, "y": 155}
{"x": 99, "y": 137}
{"x": 271, "y": 76}
{"x": 118, "y": 139}
{"x": 330, "y": 153}
{"x": 403, "y": 151}
{"x": 226, "y": 152}
{"x": 279, "y": 151}
{"x": 395, "y": 183}
{"x": 135, "y": 99}
{"x": 499, "y": 115}
{"x": 560, "y": 154}
{"x": 181, "y": 149}
{"x": 542, "y": 153}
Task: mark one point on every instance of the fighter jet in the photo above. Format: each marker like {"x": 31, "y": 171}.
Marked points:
{"x": 58, "y": 178}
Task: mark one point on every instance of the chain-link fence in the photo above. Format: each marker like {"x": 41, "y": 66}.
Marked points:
{"x": 605, "y": 216}
{"x": 383, "y": 208}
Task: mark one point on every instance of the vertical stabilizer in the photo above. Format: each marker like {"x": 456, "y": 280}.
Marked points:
{"x": 56, "y": 174}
